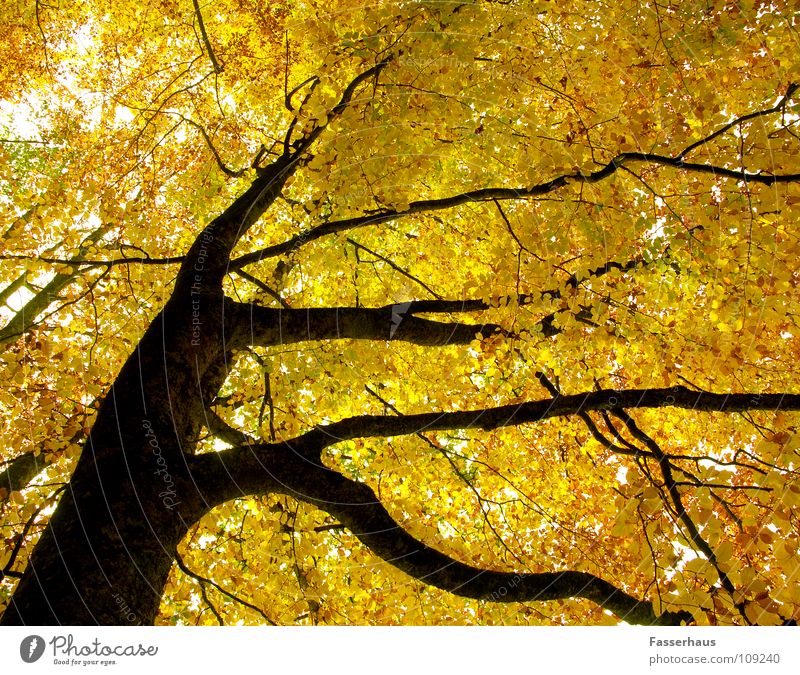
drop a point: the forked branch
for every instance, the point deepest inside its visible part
(357, 507)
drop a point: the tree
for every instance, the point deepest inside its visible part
(413, 312)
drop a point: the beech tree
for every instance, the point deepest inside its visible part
(412, 312)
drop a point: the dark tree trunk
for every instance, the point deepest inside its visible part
(107, 551)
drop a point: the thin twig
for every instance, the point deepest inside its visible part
(214, 63)
(204, 580)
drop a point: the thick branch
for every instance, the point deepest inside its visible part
(26, 317)
(374, 426)
(20, 471)
(13, 287)
(206, 262)
(295, 468)
(422, 206)
(266, 326)
(251, 324)
(357, 507)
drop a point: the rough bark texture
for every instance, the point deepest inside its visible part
(111, 540)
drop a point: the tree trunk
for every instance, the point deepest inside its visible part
(107, 551)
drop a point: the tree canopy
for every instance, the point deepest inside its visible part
(414, 312)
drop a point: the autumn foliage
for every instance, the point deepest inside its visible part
(440, 313)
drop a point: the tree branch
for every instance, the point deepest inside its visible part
(26, 317)
(214, 63)
(680, 510)
(504, 194)
(394, 266)
(254, 325)
(221, 429)
(422, 206)
(217, 157)
(88, 263)
(207, 261)
(263, 287)
(376, 426)
(203, 581)
(20, 471)
(295, 468)
(356, 506)
(346, 99)
(778, 107)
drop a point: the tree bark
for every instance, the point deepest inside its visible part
(108, 549)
